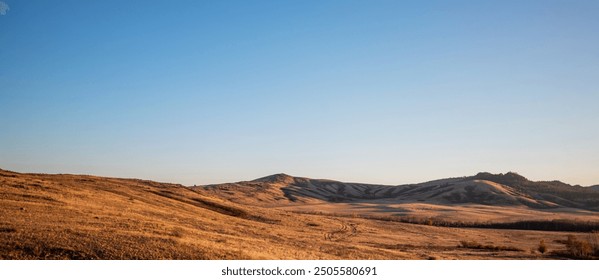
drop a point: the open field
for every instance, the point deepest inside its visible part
(88, 217)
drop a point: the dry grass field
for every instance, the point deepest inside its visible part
(87, 217)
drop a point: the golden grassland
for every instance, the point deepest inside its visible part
(88, 217)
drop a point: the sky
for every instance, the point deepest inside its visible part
(389, 92)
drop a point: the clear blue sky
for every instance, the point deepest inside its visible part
(393, 92)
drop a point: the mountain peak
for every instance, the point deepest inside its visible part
(510, 178)
(276, 178)
(515, 176)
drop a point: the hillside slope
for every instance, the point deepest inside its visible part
(89, 217)
(483, 189)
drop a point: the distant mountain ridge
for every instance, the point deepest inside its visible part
(509, 189)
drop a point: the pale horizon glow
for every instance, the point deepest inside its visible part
(386, 92)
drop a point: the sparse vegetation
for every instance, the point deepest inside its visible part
(542, 247)
(7, 230)
(587, 248)
(547, 225)
(177, 232)
(476, 245)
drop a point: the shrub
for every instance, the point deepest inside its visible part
(177, 232)
(594, 242)
(476, 245)
(542, 247)
(578, 248)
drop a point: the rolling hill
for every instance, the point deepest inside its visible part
(482, 197)
(508, 189)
